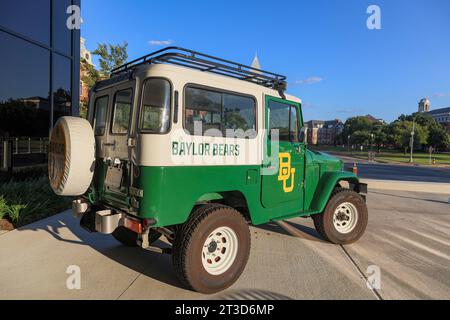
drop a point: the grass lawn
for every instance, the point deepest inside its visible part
(390, 156)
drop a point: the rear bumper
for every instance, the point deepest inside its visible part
(104, 221)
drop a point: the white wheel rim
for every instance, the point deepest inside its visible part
(345, 218)
(219, 251)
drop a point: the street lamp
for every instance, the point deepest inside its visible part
(411, 160)
(371, 142)
(348, 142)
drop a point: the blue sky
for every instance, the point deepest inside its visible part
(334, 63)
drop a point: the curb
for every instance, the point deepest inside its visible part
(426, 187)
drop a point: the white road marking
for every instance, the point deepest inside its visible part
(445, 243)
(421, 246)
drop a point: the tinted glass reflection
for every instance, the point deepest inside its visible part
(24, 88)
(61, 86)
(62, 39)
(30, 18)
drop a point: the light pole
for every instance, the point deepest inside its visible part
(371, 142)
(348, 142)
(411, 160)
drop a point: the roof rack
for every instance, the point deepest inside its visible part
(206, 63)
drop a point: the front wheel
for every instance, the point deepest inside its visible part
(211, 250)
(344, 219)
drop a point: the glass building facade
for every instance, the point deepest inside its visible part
(39, 67)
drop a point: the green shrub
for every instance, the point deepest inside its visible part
(11, 211)
(25, 202)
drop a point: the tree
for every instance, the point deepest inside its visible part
(359, 129)
(438, 137)
(89, 74)
(401, 134)
(111, 56)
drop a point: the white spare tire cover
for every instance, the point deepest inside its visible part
(71, 156)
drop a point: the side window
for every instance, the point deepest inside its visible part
(155, 112)
(121, 112)
(202, 108)
(100, 109)
(240, 112)
(219, 111)
(283, 117)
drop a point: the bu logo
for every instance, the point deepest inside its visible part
(286, 172)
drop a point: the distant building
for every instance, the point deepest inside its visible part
(441, 116)
(323, 132)
(424, 105)
(373, 119)
(86, 56)
(256, 64)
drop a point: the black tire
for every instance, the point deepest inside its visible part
(129, 238)
(188, 255)
(324, 222)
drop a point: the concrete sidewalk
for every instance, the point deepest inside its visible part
(411, 186)
(407, 238)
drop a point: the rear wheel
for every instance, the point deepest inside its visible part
(129, 238)
(211, 250)
(344, 219)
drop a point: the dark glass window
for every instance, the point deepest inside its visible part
(283, 117)
(121, 112)
(62, 96)
(30, 18)
(24, 88)
(62, 39)
(156, 106)
(203, 108)
(240, 112)
(294, 125)
(101, 110)
(219, 111)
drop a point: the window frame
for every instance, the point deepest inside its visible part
(141, 102)
(290, 104)
(113, 112)
(221, 91)
(94, 122)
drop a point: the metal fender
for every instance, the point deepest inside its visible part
(326, 185)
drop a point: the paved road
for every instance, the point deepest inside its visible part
(408, 238)
(399, 172)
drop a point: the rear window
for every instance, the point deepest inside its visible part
(121, 112)
(101, 109)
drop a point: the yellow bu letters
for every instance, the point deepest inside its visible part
(286, 172)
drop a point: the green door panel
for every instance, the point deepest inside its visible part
(283, 189)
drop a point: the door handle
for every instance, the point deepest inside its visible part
(109, 144)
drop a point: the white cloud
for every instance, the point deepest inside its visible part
(442, 95)
(160, 42)
(309, 80)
